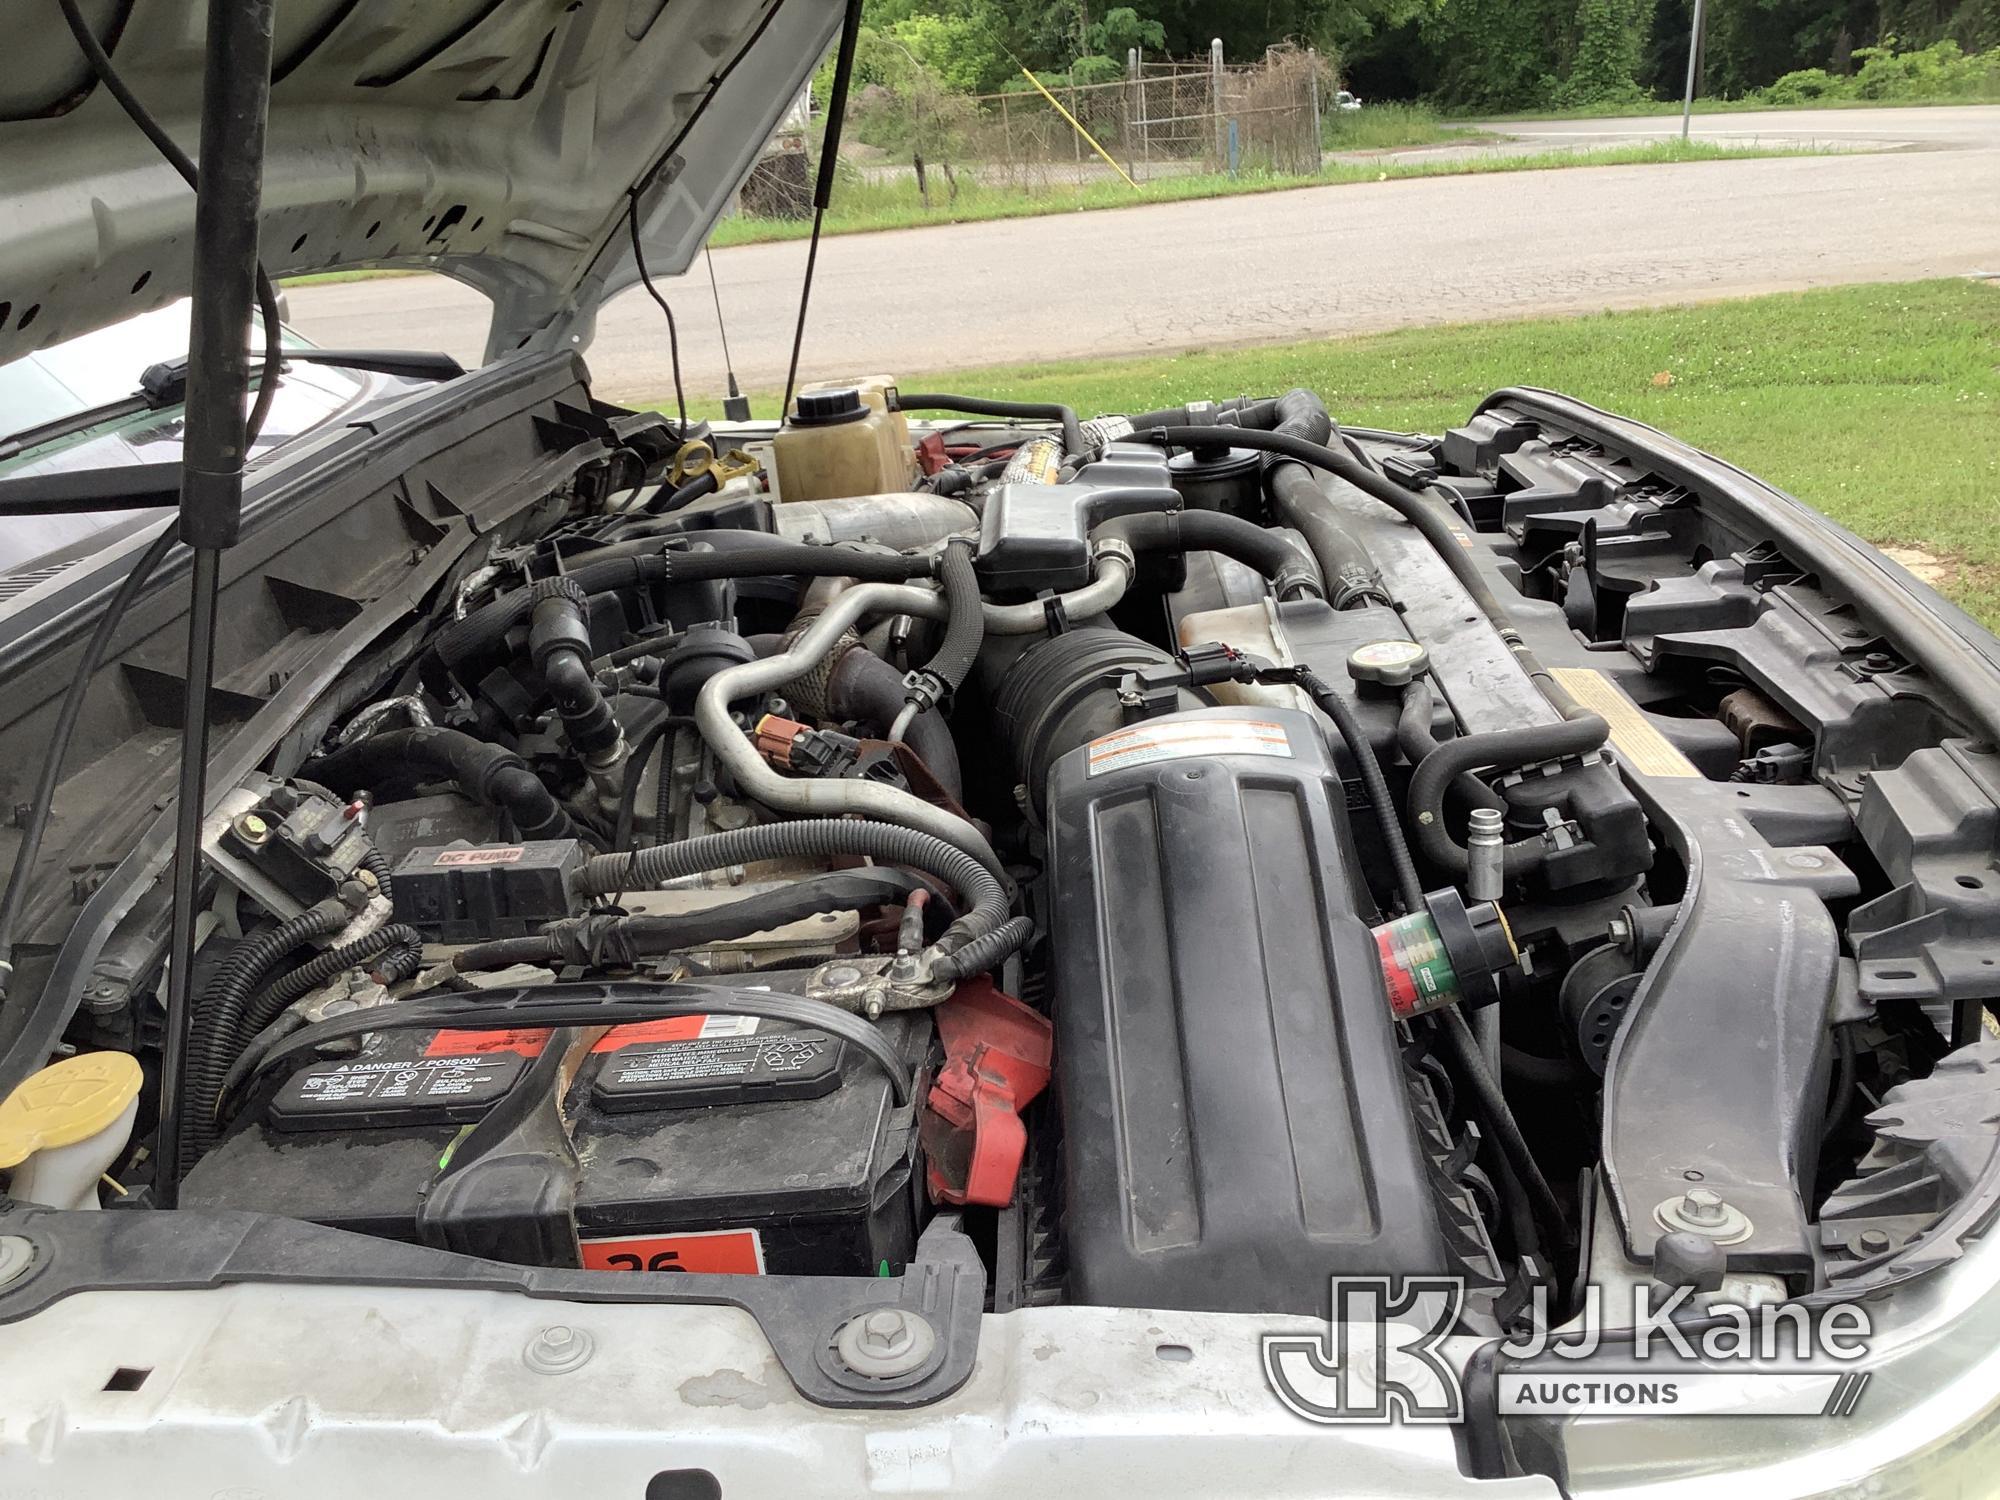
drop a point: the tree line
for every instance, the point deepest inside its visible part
(1459, 54)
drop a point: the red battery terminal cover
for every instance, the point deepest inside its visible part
(997, 1056)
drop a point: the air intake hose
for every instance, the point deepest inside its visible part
(559, 645)
(1063, 692)
(485, 772)
(481, 633)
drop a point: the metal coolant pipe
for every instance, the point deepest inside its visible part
(835, 798)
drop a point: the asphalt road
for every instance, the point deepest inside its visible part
(1306, 263)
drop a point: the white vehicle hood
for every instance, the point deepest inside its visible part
(498, 141)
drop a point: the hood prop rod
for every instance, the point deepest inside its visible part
(829, 164)
(235, 101)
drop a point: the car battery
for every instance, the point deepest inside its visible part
(705, 1143)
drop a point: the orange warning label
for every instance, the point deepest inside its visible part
(728, 1252)
(1144, 744)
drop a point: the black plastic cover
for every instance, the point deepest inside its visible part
(1234, 1120)
(469, 893)
(1037, 536)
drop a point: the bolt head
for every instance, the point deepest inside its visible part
(885, 1332)
(1872, 1241)
(1702, 1206)
(558, 1349)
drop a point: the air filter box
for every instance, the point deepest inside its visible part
(1235, 1128)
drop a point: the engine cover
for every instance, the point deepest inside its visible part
(1235, 1122)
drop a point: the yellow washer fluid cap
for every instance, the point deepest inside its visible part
(67, 1102)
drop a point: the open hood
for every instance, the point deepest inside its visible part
(498, 141)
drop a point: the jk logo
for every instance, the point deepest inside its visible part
(1378, 1359)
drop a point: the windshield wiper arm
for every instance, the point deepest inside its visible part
(165, 384)
(78, 491)
(133, 405)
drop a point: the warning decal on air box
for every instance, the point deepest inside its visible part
(727, 1252)
(1144, 744)
(1638, 743)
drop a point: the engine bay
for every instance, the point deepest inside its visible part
(1191, 855)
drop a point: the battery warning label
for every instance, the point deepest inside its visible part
(528, 1041)
(1144, 744)
(727, 1252)
(393, 1090)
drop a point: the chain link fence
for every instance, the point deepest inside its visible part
(1164, 119)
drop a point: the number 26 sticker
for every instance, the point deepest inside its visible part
(738, 1252)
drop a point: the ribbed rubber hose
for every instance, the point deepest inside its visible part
(483, 629)
(403, 945)
(976, 406)
(965, 618)
(1419, 512)
(1414, 738)
(986, 952)
(376, 863)
(1258, 547)
(218, 1014)
(1502, 748)
(485, 772)
(617, 941)
(983, 900)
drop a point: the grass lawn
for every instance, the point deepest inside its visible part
(1644, 108)
(1384, 127)
(1879, 405)
(861, 206)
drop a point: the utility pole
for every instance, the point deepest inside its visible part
(1694, 67)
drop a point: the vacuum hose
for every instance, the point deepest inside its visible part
(982, 897)
(1502, 747)
(482, 631)
(485, 772)
(932, 684)
(1291, 575)
(559, 645)
(973, 406)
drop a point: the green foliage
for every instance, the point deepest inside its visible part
(1608, 38)
(958, 49)
(1121, 28)
(1087, 70)
(1804, 86)
(1940, 71)
(1465, 55)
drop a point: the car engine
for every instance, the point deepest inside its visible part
(1196, 853)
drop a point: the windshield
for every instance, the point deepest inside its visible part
(95, 369)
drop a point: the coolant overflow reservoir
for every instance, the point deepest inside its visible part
(835, 444)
